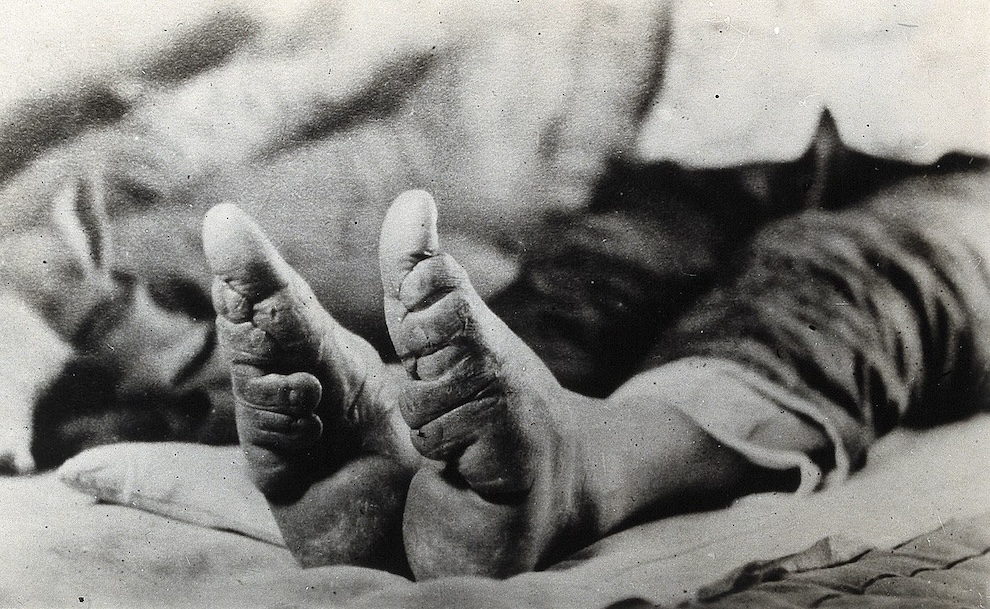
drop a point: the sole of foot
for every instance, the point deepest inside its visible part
(323, 439)
(503, 488)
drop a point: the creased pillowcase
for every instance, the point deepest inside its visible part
(202, 485)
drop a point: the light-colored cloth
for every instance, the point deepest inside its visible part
(60, 546)
(194, 483)
(747, 81)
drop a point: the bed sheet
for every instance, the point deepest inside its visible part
(61, 547)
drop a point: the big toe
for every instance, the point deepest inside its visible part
(239, 253)
(409, 235)
(427, 293)
(248, 269)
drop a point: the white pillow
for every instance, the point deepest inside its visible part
(194, 483)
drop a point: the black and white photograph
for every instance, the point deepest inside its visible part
(581, 304)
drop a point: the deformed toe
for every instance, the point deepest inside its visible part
(295, 395)
(239, 253)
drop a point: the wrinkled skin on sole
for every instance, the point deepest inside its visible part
(471, 460)
(482, 406)
(333, 437)
(323, 441)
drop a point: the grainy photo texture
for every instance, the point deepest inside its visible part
(589, 304)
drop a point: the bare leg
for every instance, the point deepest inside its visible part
(314, 415)
(525, 470)
(522, 470)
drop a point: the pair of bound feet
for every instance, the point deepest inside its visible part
(463, 462)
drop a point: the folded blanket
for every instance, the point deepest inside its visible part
(194, 483)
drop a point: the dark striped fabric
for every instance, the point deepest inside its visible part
(869, 309)
(878, 314)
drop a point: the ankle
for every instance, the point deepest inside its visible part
(569, 507)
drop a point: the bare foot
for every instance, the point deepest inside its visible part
(315, 416)
(505, 493)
